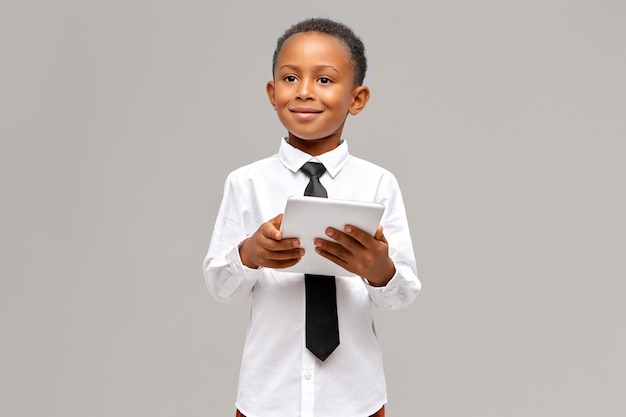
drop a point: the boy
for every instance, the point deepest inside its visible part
(318, 71)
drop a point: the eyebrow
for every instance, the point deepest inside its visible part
(317, 67)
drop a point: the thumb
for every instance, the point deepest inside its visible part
(379, 234)
(276, 222)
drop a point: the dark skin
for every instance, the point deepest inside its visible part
(313, 92)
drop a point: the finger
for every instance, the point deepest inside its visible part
(359, 235)
(286, 255)
(283, 258)
(273, 245)
(333, 250)
(343, 239)
(334, 256)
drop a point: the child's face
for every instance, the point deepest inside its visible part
(313, 91)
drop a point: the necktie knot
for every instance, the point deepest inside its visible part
(314, 170)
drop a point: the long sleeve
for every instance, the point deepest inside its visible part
(227, 278)
(404, 286)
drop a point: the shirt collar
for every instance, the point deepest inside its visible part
(293, 158)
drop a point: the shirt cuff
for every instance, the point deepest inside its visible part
(398, 292)
(385, 290)
(239, 272)
(237, 265)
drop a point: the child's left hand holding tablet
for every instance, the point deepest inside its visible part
(360, 253)
(266, 247)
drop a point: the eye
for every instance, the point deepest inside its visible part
(324, 80)
(290, 78)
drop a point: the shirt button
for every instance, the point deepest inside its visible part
(307, 375)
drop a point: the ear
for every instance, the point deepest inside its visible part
(360, 96)
(270, 88)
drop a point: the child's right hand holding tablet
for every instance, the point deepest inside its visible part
(266, 247)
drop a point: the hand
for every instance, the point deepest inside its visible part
(267, 248)
(359, 253)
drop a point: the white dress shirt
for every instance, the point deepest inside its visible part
(279, 377)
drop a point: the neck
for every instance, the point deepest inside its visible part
(314, 147)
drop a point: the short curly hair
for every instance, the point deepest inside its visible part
(335, 29)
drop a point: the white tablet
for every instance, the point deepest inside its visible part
(308, 217)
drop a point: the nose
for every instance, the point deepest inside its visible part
(305, 89)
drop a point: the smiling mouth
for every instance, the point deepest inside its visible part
(303, 114)
(305, 111)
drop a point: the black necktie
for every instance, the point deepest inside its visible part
(322, 327)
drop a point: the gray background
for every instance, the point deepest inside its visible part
(503, 121)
